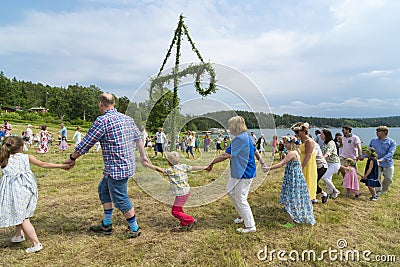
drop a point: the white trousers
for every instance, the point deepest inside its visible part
(238, 190)
(327, 177)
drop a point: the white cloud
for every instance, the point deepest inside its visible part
(312, 55)
(378, 73)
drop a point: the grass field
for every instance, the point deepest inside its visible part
(68, 205)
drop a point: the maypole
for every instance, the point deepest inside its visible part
(195, 70)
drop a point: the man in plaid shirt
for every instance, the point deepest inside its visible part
(117, 134)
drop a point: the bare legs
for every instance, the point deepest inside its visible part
(27, 228)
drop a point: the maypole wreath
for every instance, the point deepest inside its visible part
(196, 70)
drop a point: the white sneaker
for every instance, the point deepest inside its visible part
(34, 248)
(18, 239)
(246, 230)
(238, 220)
(335, 194)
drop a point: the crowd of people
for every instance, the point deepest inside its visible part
(188, 144)
(43, 139)
(306, 161)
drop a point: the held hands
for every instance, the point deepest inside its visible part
(209, 167)
(66, 167)
(265, 168)
(146, 162)
(68, 164)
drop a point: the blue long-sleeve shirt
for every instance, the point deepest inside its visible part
(385, 150)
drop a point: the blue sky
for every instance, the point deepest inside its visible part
(332, 58)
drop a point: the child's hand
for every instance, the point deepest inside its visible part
(66, 166)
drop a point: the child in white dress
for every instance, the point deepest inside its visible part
(18, 190)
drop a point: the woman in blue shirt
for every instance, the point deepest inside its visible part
(241, 153)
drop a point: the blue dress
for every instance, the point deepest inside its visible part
(294, 195)
(373, 178)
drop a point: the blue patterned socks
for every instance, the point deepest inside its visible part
(107, 220)
(133, 224)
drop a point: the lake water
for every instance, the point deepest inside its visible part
(365, 134)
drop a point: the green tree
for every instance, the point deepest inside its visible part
(159, 112)
(59, 102)
(122, 104)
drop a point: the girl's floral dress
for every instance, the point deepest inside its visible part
(294, 195)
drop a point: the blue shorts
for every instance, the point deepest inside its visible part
(115, 191)
(159, 148)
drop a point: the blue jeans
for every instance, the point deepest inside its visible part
(189, 149)
(115, 191)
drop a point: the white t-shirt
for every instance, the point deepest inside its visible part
(191, 140)
(29, 132)
(161, 137)
(254, 138)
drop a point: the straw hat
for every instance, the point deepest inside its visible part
(173, 157)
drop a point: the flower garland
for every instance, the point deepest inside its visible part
(294, 140)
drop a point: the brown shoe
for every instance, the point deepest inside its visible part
(189, 227)
(132, 234)
(100, 228)
(180, 228)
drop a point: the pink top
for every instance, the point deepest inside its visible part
(274, 142)
(350, 146)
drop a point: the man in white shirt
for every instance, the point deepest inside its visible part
(161, 140)
(254, 138)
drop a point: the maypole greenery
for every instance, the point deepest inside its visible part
(195, 70)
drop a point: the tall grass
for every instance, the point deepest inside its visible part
(68, 205)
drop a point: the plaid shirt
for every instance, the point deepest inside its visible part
(117, 134)
(178, 178)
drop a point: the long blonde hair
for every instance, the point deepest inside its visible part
(11, 145)
(293, 141)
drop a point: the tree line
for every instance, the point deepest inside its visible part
(65, 104)
(78, 104)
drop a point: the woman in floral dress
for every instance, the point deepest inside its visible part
(294, 195)
(44, 141)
